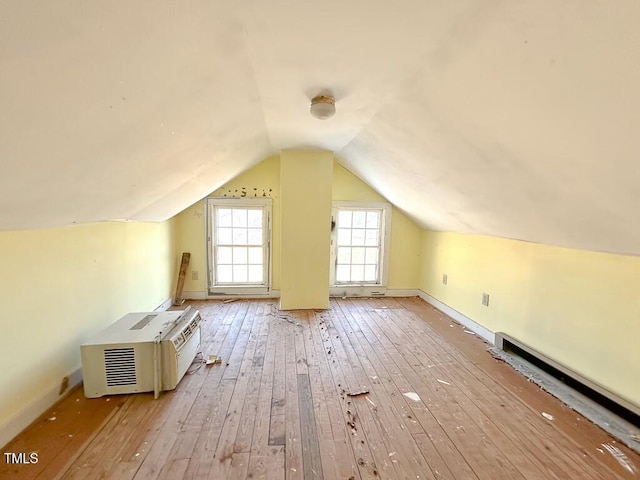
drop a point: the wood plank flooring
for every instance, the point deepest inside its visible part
(438, 406)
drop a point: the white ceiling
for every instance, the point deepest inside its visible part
(514, 119)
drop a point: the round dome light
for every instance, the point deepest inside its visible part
(323, 107)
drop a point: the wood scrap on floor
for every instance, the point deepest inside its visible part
(358, 393)
(177, 300)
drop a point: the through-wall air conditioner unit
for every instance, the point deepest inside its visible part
(141, 352)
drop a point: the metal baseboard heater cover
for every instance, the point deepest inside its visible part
(509, 344)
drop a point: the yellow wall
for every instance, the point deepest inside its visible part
(404, 264)
(305, 231)
(578, 307)
(404, 254)
(264, 178)
(61, 285)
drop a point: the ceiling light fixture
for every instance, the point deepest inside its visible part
(323, 106)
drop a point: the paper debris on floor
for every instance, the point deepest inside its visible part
(469, 332)
(412, 396)
(548, 416)
(442, 381)
(213, 359)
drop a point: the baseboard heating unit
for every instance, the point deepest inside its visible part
(608, 399)
(141, 352)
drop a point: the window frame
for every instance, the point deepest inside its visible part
(339, 288)
(264, 288)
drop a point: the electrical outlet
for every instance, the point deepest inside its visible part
(194, 275)
(485, 299)
(445, 278)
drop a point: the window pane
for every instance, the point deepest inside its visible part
(239, 236)
(357, 255)
(255, 273)
(240, 273)
(344, 236)
(344, 218)
(239, 255)
(371, 256)
(371, 237)
(254, 236)
(224, 255)
(224, 236)
(343, 273)
(357, 273)
(357, 236)
(370, 273)
(224, 217)
(238, 243)
(254, 218)
(359, 245)
(255, 255)
(359, 219)
(239, 217)
(224, 274)
(344, 255)
(373, 219)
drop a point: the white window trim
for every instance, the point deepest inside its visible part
(239, 290)
(363, 289)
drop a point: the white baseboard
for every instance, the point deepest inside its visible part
(164, 306)
(475, 327)
(245, 296)
(399, 292)
(370, 291)
(334, 292)
(357, 291)
(206, 296)
(21, 420)
(203, 295)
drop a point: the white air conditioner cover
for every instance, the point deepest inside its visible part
(141, 352)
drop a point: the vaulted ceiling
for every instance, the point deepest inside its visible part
(514, 119)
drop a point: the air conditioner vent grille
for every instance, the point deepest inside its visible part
(187, 332)
(120, 366)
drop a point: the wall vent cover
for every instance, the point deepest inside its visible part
(120, 366)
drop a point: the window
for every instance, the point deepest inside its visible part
(359, 240)
(238, 239)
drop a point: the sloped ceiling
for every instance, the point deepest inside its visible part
(513, 119)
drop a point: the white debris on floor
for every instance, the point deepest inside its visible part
(412, 396)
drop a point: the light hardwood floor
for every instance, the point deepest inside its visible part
(278, 407)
